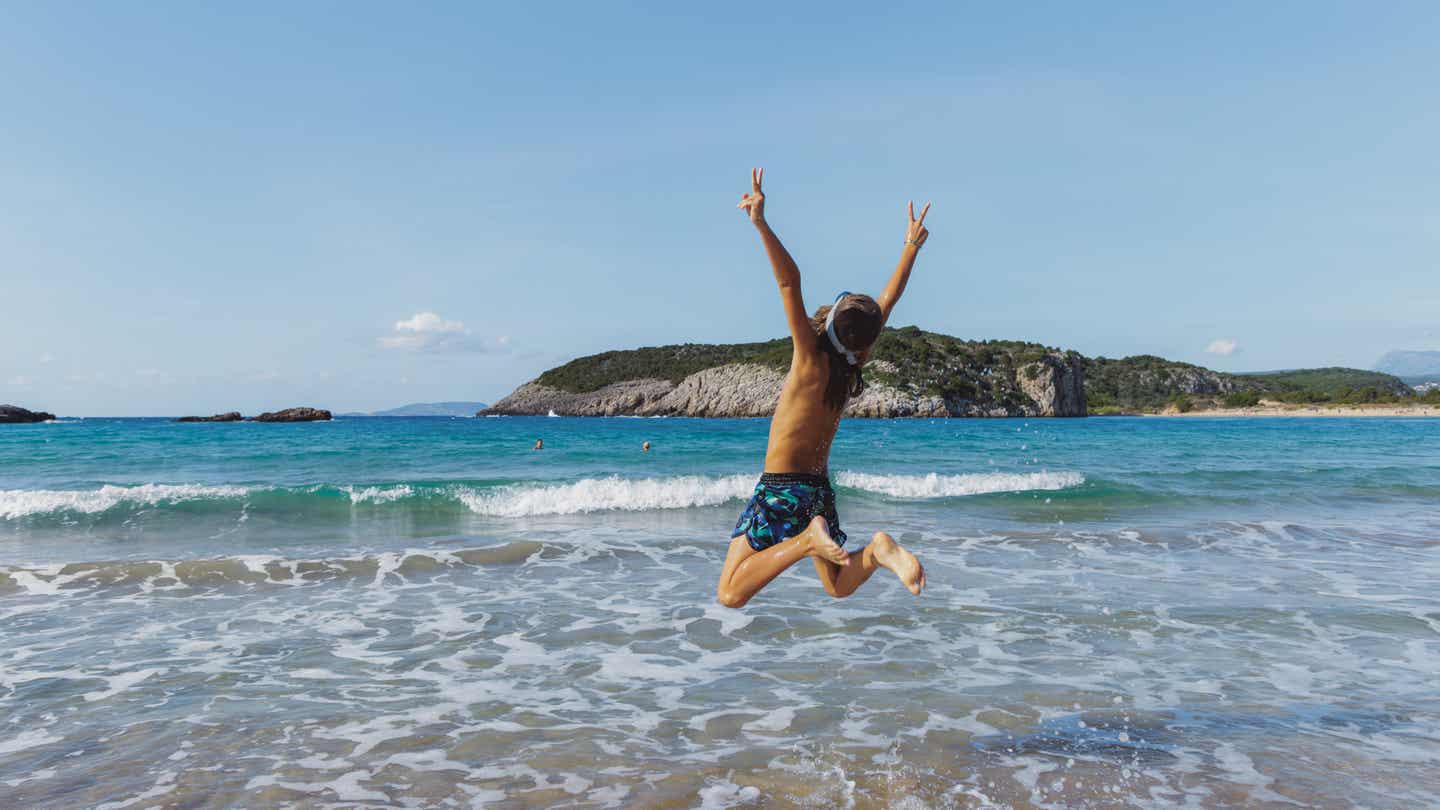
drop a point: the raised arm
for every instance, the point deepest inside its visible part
(787, 275)
(915, 236)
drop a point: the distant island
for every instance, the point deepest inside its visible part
(916, 373)
(429, 409)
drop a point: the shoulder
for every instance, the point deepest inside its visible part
(807, 347)
(810, 362)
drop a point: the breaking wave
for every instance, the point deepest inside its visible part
(501, 500)
(18, 503)
(953, 486)
(605, 494)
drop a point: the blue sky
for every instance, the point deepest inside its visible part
(354, 205)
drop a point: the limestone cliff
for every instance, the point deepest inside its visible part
(1052, 386)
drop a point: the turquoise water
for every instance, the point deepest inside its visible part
(426, 611)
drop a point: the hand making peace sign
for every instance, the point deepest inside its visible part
(754, 202)
(915, 233)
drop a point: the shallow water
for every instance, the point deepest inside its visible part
(425, 612)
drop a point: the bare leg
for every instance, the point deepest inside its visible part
(746, 570)
(882, 552)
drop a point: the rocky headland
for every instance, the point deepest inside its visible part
(915, 373)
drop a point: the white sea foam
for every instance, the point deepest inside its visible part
(611, 493)
(724, 794)
(115, 684)
(378, 494)
(18, 503)
(681, 492)
(525, 500)
(26, 739)
(934, 485)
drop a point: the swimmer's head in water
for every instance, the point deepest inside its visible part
(845, 331)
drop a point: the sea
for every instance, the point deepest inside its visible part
(427, 612)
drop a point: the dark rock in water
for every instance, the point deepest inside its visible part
(14, 413)
(295, 415)
(232, 416)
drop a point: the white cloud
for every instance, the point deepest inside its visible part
(1223, 347)
(47, 357)
(19, 381)
(428, 332)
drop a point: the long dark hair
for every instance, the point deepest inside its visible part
(857, 324)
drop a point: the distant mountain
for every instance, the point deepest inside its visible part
(430, 409)
(1410, 364)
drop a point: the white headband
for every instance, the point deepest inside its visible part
(835, 339)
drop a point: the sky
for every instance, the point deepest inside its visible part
(213, 207)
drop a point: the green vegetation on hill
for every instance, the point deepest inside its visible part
(990, 372)
(928, 363)
(1348, 386)
(909, 358)
(673, 363)
(1149, 383)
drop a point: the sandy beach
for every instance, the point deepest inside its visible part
(1283, 409)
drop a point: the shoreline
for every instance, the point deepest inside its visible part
(1312, 411)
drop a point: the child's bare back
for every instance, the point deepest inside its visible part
(792, 513)
(803, 426)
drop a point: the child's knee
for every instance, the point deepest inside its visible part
(730, 598)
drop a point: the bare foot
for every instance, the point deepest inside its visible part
(820, 545)
(894, 556)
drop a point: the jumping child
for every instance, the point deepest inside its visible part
(792, 514)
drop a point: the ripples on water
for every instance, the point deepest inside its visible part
(1142, 616)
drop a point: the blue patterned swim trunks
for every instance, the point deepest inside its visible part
(783, 506)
